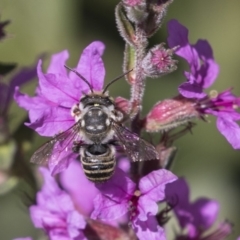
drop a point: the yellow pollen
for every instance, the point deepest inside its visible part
(137, 193)
(213, 94)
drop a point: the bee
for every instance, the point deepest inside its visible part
(98, 129)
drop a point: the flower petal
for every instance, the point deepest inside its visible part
(57, 88)
(209, 69)
(112, 203)
(46, 118)
(229, 129)
(153, 185)
(83, 196)
(205, 212)
(192, 88)
(119, 187)
(57, 63)
(91, 67)
(75, 222)
(42, 218)
(107, 209)
(149, 229)
(178, 36)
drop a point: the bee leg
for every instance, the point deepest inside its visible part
(114, 142)
(76, 146)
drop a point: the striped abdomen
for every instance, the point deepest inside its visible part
(98, 161)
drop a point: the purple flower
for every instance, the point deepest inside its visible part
(58, 91)
(203, 72)
(197, 217)
(55, 212)
(120, 196)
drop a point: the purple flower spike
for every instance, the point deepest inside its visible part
(120, 196)
(49, 110)
(196, 217)
(55, 212)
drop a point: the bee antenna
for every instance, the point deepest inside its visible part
(114, 80)
(83, 78)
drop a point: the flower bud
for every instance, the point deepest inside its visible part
(125, 27)
(136, 10)
(122, 104)
(158, 61)
(157, 10)
(170, 113)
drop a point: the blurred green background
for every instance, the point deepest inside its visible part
(209, 163)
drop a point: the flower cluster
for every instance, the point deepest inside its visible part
(64, 107)
(193, 102)
(55, 212)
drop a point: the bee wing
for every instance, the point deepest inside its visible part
(58, 147)
(135, 147)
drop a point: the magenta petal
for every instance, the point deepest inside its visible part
(178, 189)
(83, 196)
(58, 234)
(41, 218)
(178, 36)
(57, 63)
(210, 69)
(146, 206)
(51, 122)
(152, 188)
(153, 185)
(57, 88)
(229, 129)
(91, 67)
(75, 222)
(205, 212)
(118, 187)
(46, 118)
(108, 209)
(50, 187)
(149, 229)
(193, 90)
(112, 203)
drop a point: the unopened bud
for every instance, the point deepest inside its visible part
(136, 10)
(170, 113)
(124, 25)
(159, 61)
(157, 10)
(122, 104)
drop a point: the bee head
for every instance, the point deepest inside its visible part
(96, 99)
